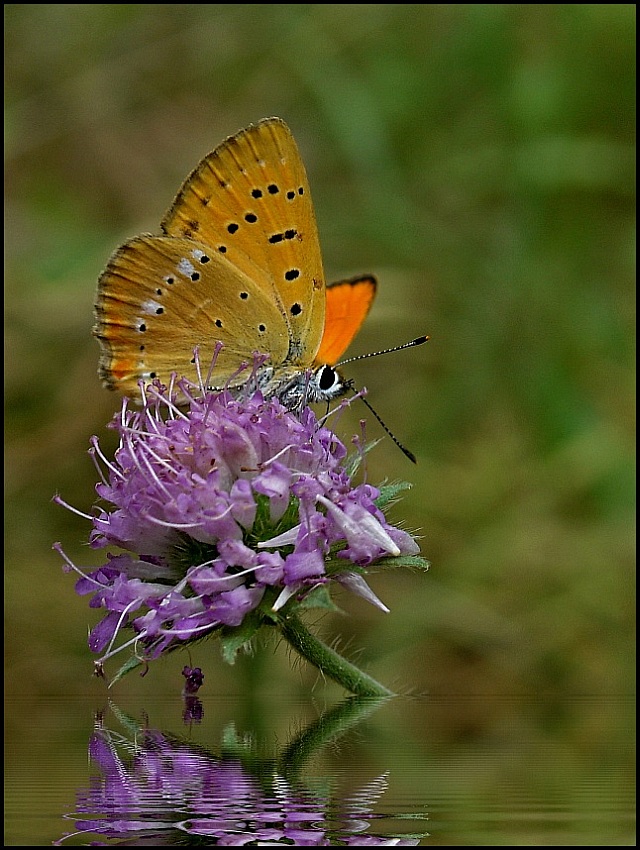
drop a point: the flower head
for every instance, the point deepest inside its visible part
(233, 507)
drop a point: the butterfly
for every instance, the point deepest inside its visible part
(238, 262)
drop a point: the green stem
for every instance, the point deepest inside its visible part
(329, 662)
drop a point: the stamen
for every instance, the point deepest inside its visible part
(156, 521)
(92, 454)
(196, 358)
(124, 411)
(114, 469)
(214, 359)
(58, 500)
(194, 629)
(133, 604)
(143, 394)
(342, 405)
(154, 476)
(275, 457)
(58, 548)
(133, 640)
(171, 390)
(169, 402)
(241, 368)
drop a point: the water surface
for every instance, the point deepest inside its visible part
(439, 770)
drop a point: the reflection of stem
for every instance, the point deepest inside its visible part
(327, 728)
(329, 662)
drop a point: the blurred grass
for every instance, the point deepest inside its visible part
(480, 160)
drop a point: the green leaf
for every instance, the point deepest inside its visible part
(130, 664)
(319, 597)
(233, 639)
(389, 492)
(352, 463)
(413, 561)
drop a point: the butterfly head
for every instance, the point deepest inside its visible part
(296, 389)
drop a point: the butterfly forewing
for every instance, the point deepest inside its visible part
(161, 296)
(249, 201)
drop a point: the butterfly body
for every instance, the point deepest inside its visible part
(238, 263)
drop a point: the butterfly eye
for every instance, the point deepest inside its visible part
(328, 378)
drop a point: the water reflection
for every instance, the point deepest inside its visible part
(155, 788)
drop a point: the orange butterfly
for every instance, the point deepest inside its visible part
(239, 263)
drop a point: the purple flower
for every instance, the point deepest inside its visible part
(194, 678)
(233, 507)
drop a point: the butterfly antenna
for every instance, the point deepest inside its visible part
(418, 341)
(405, 451)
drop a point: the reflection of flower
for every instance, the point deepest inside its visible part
(154, 790)
(230, 516)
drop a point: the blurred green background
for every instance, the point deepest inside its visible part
(479, 159)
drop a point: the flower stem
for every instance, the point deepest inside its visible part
(328, 661)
